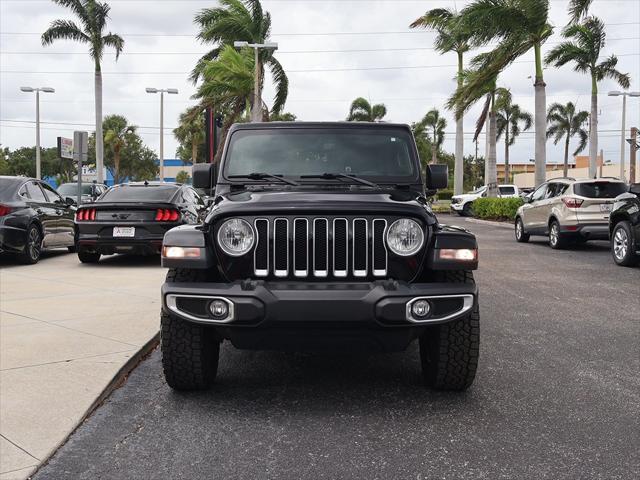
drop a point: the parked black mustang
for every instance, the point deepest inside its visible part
(624, 226)
(33, 217)
(133, 218)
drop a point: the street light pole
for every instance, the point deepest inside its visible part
(171, 91)
(256, 111)
(624, 95)
(38, 155)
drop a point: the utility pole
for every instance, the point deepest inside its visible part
(256, 110)
(171, 91)
(624, 96)
(38, 157)
(632, 157)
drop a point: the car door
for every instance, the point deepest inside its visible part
(45, 213)
(531, 213)
(65, 227)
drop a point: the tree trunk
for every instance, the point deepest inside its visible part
(458, 172)
(99, 138)
(116, 165)
(593, 131)
(507, 178)
(256, 108)
(434, 155)
(540, 121)
(194, 151)
(492, 176)
(565, 169)
(487, 142)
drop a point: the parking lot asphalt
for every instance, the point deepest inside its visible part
(557, 394)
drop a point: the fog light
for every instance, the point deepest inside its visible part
(464, 254)
(219, 309)
(420, 308)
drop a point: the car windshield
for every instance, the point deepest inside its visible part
(385, 154)
(600, 189)
(139, 193)
(478, 191)
(67, 189)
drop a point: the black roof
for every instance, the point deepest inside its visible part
(344, 124)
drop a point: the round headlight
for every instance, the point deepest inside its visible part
(405, 237)
(235, 237)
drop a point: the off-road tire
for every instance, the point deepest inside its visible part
(449, 352)
(190, 351)
(557, 241)
(33, 246)
(467, 210)
(521, 235)
(622, 249)
(88, 257)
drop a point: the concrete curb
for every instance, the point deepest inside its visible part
(115, 383)
(490, 222)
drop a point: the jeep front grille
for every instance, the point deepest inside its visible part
(320, 247)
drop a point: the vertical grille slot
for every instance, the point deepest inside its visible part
(360, 247)
(281, 247)
(300, 247)
(379, 248)
(340, 247)
(261, 253)
(320, 247)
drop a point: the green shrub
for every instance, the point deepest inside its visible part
(496, 208)
(445, 194)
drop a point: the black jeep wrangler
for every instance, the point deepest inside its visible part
(320, 237)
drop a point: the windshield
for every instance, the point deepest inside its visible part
(386, 154)
(600, 189)
(479, 191)
(72, 189)
(139, 193)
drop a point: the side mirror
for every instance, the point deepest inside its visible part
(204, 175)
(437, 176)
(526, 199)
(70, 201)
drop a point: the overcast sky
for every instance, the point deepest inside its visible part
(161, 49)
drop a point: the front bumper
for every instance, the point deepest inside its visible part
(277, 314)
(456, 207)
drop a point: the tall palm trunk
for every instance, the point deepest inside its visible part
(487, 145)
(99, 137)
(458, 173)
(507, 173)
(593, 130)
(540, 120)
(565, 169)
(492, 174)
(434, 154)
(256, 109)
(116, 165)
(194, 151)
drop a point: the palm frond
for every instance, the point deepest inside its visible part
(114, 41)
(64, 30)
(378, 111)
(196, 73)
(281, 82)
(578, 9)
(584, 139)
(77, 7)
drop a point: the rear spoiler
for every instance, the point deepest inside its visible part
(128, 205)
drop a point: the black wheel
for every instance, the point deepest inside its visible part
(622, 246)
(556, 239)
(467, 210)
(449, 352)
(33, 246)
(521, 235)
(88, 257)
(190, 351)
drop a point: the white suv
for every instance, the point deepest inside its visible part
(463, 204)
(566, 209)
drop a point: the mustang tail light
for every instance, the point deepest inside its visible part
(5, 210)
(86, 214)
(572, 202)
(167, 215)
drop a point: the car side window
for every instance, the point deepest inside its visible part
(539, 193)
(507, 190)
(23, 192)
(35, 192)
(52, 195)
(551, 191)
(561, 188)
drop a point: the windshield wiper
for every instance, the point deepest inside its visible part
(264, 176)
(336, 176)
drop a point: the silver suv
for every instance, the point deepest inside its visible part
(567, 210)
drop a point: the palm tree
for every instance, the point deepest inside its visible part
(241, 20)
(435, 125)
(93, 16)
(519, 26)
(578, 9)
(191, 130)
(451, 38)
(362, 111)
(588, 39)
(509, 116)
(464, 98)
(565, 122)
(282, 117)
(117, 134)
(227, 84)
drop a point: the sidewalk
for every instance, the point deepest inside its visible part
(65, 330)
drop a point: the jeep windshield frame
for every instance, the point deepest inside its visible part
(382, 154)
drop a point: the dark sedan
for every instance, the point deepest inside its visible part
(133, 218)
(624, 228)
(33, 217)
